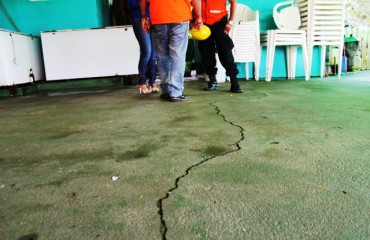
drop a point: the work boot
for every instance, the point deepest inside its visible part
(212, 84)
(235, 88)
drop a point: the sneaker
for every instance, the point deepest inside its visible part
(179, 98)
(211, 87)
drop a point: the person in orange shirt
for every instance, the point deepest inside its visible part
(169, 26)
(215, 16)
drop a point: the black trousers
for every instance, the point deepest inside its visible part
(221, 43)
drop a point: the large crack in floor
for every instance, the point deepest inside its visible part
(164, 227)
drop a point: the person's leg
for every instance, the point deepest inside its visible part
(224, 49)
(160, 38)
(152, 69)
(198, 61)
(208, 52)
(146, 50)
(178, 44)
(170, 43)
(152, 64)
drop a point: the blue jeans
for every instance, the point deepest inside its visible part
(147, 62)
(170, 42)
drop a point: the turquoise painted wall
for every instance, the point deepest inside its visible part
(32, 17)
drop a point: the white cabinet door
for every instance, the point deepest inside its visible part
(18, 54)
(90, 53)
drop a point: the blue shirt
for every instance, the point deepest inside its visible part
(133, 7)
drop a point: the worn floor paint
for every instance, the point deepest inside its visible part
(284, 160)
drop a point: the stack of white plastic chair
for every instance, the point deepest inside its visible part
(288, 20)
(246, 37)
(325, 27)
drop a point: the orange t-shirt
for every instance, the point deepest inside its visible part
(170, 11)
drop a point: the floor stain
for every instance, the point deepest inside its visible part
(32, 236)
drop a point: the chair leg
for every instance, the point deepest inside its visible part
(246, 66)
(307, 72)
(268, 63)
(288, 61)
(271, 60)
(270, 55)
(309, 58)
(322, 62)
(257, 65)
(291, 52)
(340, 57)
(256, 70)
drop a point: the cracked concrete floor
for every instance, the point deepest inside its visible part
(284, 160)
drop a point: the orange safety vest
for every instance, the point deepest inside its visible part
(213, 11)
(170, 11)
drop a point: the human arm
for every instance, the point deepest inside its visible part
(197, 16)
(229, 23)
(145, 22)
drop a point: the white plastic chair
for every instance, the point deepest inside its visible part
(325, 27)
(246, 37)
(288, 20)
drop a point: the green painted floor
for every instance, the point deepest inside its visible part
(289, 159)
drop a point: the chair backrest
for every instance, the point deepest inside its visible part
(245, 34)
(243, 13)
(304, 12)
(246, 41)
(324, 20)
(327, 22)
(287, 16)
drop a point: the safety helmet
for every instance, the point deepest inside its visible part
(202, 34)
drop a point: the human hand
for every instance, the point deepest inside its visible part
(145, 23)
(197, 23)
(228, 27)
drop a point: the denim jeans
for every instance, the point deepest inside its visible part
(147, 62)
(170, 43)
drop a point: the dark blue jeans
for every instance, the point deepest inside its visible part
(147, 62)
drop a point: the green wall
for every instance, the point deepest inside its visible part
(32, 17)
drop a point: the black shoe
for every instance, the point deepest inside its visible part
(236, 90)
(165, 96)
(211, 87)
(179, 98)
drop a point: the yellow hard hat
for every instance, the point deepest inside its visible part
(202, 34)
